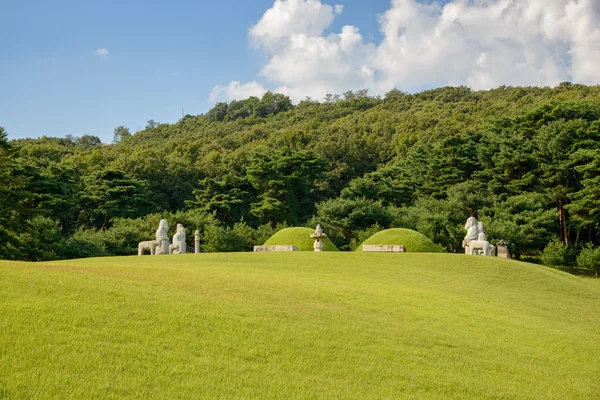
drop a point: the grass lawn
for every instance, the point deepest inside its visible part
(297, 325)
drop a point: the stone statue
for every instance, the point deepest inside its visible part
(179, 246)
(162, 238)
(148, 245)
(156, 246)
(319, 235)
(475, 242)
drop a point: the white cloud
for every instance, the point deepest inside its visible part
(236, 91)
(101, 52)
(482, 44)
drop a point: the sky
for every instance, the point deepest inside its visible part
(72, 67)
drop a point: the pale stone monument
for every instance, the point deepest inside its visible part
(319, 235)
(162, 238)
(158, 246)
(475, 242)
(383, 248)
(502, 249)
(258, 249)
(179, 246)
(148, 245)
(197, 242)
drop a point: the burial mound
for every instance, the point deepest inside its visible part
(299, 237)
(412, 240)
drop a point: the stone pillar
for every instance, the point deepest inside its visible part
(318, 245)
(197, 242)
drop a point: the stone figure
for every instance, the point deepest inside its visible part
(475, 242)
(148, 245)
(156, 246)
(197, 242)
(162, 238)
(319, 235)
(179, 246)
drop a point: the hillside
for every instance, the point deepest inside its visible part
(523, 160)
(297, 325)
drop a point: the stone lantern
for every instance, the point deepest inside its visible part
(318, 236)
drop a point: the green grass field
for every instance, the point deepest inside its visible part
(413, 241)
(297, 325)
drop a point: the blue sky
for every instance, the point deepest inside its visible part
(162, 56)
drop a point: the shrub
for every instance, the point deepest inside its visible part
(556, 254)
(589, 258)
(42, 240)
(224, 239)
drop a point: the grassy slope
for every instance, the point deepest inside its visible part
(299, 237)
(297, 325)
(412, 240)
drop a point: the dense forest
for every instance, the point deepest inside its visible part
(524, 160)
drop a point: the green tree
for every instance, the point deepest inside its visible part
(273, 104)
(344, 218)
(111, 193)
(42, 240)
(283, 182)
(391, 185)
(228, 196)
(524, 221)
(440, 220)
(217, 113)
(87, 142)
(585, 203)
(120, 133)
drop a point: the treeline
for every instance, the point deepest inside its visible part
(526, 161)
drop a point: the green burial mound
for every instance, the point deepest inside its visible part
(413, 241)
(299, 237)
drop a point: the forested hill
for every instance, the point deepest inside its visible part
(526, 161)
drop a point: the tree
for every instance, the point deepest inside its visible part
(4, 146)
(42, 240)
(391, 185)
(120, 133)
(345, 217)
(283, 182)
(273, 104)
(217, 113)
(585, 203)
(440, 220)
(228, 196)
(87, 142)
(111, 193)
(524, 221)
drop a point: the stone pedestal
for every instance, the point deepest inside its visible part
(502, 250)
(382, 248)
(258, 249)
